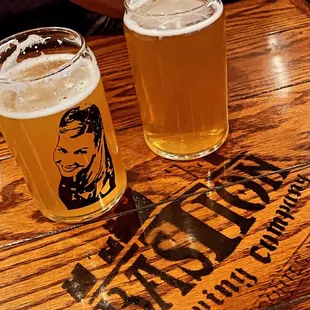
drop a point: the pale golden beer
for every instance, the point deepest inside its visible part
(178, 56)
(55, 117)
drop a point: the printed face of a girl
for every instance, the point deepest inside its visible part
(74, 154)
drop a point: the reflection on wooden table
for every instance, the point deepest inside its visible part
(229, 231)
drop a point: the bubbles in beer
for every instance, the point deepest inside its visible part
(171, 17)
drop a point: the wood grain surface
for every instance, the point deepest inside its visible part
(303, 5)
(229, 231)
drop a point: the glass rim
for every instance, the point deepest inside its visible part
(42, 30)
(133, 11)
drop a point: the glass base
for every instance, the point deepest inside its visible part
(186, 157)
(87, 217)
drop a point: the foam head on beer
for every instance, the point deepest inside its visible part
(166, 17)
(45, 84)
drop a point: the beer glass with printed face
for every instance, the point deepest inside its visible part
(55, 118)
(178, 56)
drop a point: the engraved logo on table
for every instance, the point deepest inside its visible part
(83, 158)
(249, 197)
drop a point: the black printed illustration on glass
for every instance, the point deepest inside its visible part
(83, 158)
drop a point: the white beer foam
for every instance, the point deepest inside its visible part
(20, 48)
(148, 18)
(57, 91)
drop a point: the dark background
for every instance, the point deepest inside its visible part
(20, 15)
(44, 13)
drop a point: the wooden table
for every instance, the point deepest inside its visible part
(229, 231)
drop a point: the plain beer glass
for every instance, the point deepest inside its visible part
(178, 56)
(55, 118)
